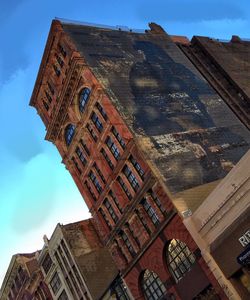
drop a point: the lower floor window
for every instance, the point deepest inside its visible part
(153, 287)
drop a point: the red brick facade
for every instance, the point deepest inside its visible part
(130, 206)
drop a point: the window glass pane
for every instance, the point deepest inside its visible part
(180, 259)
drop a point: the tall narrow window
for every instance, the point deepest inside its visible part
(131, 178)
(157, 201)
(151, 212)
(102, 111)
(105, 218)
(81, 156)
(97, 122)
(118, 137)
(63, 296)
(99, 172)
(112, 147)
(47, 263)
(83, 99)
(95, 181)
(124, 187)
(92, 132)
(85, 147)
(180, 259)
(55, 283)
(112, 195)
(137, 166)
(110, 210)
(90, 190)
(69, 133)
(153, 287)
(127, 243)
(108, 160)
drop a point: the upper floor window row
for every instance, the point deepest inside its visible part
(69, 133)
(118, 137)
(137, 166)
(131, 178)
(112, 147)
(97, 122)
(47, 263)
(83, 99)
(101, 110)
(62, 50)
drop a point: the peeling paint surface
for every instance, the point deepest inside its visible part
(193, 137)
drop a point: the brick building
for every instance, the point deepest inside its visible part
(145, 138)
(74, 263)
(24, 280)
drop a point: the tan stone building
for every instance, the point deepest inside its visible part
(74, 263)
(221, 228)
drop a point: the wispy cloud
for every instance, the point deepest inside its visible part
(191, 10)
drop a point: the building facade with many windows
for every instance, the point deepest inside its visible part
(24, 280)
(74, 263)
(136, 125)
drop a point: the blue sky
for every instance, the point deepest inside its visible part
(36, 191)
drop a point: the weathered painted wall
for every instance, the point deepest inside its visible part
(183, 126)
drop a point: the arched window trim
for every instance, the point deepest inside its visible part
(69, 133)
(84, 98)
(180, 259)
(152, 286)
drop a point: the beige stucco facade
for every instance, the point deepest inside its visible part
(219, 223)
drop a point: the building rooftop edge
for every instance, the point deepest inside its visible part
(96, 25)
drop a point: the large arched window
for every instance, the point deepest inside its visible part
(83, 99)
(152, 286)
(69, 133)
(180, 259)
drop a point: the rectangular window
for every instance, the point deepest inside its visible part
(59, 60)
(124, 187)
(76, 165)
(55, 283)
(47, 263)
(112, 147)
(157, 201)
(112, 195)
(102, 111)
(105, 218)
(110, 210)
(81, 156)
(99, 173)
(127, 243)
(62, 50)
(65, 249)
(97, 122)
(95, 181)
(45, 104)
(105, 155)
(51, 88)
(60, 263)
(85, 147)
(48, 97)
(90, 190)
(137, 166)
(63, 296)
(57, 70)
(131, 178)
(92, 132)
(151, 212)
(118, 137)
(66, 264)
